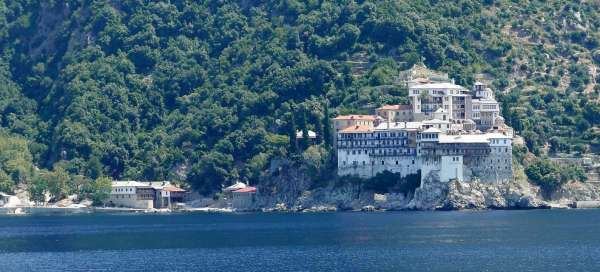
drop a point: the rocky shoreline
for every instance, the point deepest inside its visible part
(291, 191)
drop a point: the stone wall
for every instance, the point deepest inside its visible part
(404, 165)
(495, 167)
(131, 202)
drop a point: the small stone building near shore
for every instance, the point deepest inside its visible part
(243, 199)
(145, 195)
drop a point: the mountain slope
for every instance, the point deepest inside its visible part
(205, 91)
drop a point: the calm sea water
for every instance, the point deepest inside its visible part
(542, 240)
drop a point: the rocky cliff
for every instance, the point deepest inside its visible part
(290, 189)
(577, 191)
(457, 195)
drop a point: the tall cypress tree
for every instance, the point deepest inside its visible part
(291, 124)
(304, 142)
(319, 130)
(326, 123)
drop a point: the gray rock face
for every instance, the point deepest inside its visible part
(391, 201)
(289, 189)
(430, 195)
(577, 191)
(456, 195)
(511, 195)
(302, 198)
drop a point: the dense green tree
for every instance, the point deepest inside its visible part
(303, 126)
(212, 171)
(6, 184)
(159, 90)
(327, 134)
(291, 131)
(57, 182)
(38, 188)
(100, 190)
(94, 167)
(551, 176)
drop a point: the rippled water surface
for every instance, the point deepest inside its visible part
(539, 240)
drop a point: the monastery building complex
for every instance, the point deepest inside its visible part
(447, 132)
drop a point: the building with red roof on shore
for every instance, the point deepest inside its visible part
(244, 198)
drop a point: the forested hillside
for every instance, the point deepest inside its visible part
(206, 92)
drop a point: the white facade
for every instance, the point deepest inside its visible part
(428, 98)
(131, 194)
(444, 139)
(486, 157)
(485, 108)
(484, 112)
(457, 103)
(451, 168)
(365, 152)
(144, 195)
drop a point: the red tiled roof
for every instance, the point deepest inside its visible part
(172, 189)
(355, 129)
(356, 117)
(248, 189)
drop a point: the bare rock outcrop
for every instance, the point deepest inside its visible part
(577, 191)
(430, 195)
(475, 195)
(289, 188)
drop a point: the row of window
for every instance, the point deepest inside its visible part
(462, 151)
(381, 152)
(455, 159)
(498, 141)
(372, 162)
(376, 135)
(393, 113)
(491, 161)
(429, 136)
(423, 151)
(454, 151)
(139, 197)
(436, 92)
(360, 123)
(374, 143)
(145, 196)
(122, 196)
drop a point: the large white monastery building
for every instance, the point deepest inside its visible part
(448, 132)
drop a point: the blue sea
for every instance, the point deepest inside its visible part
(535, 240)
